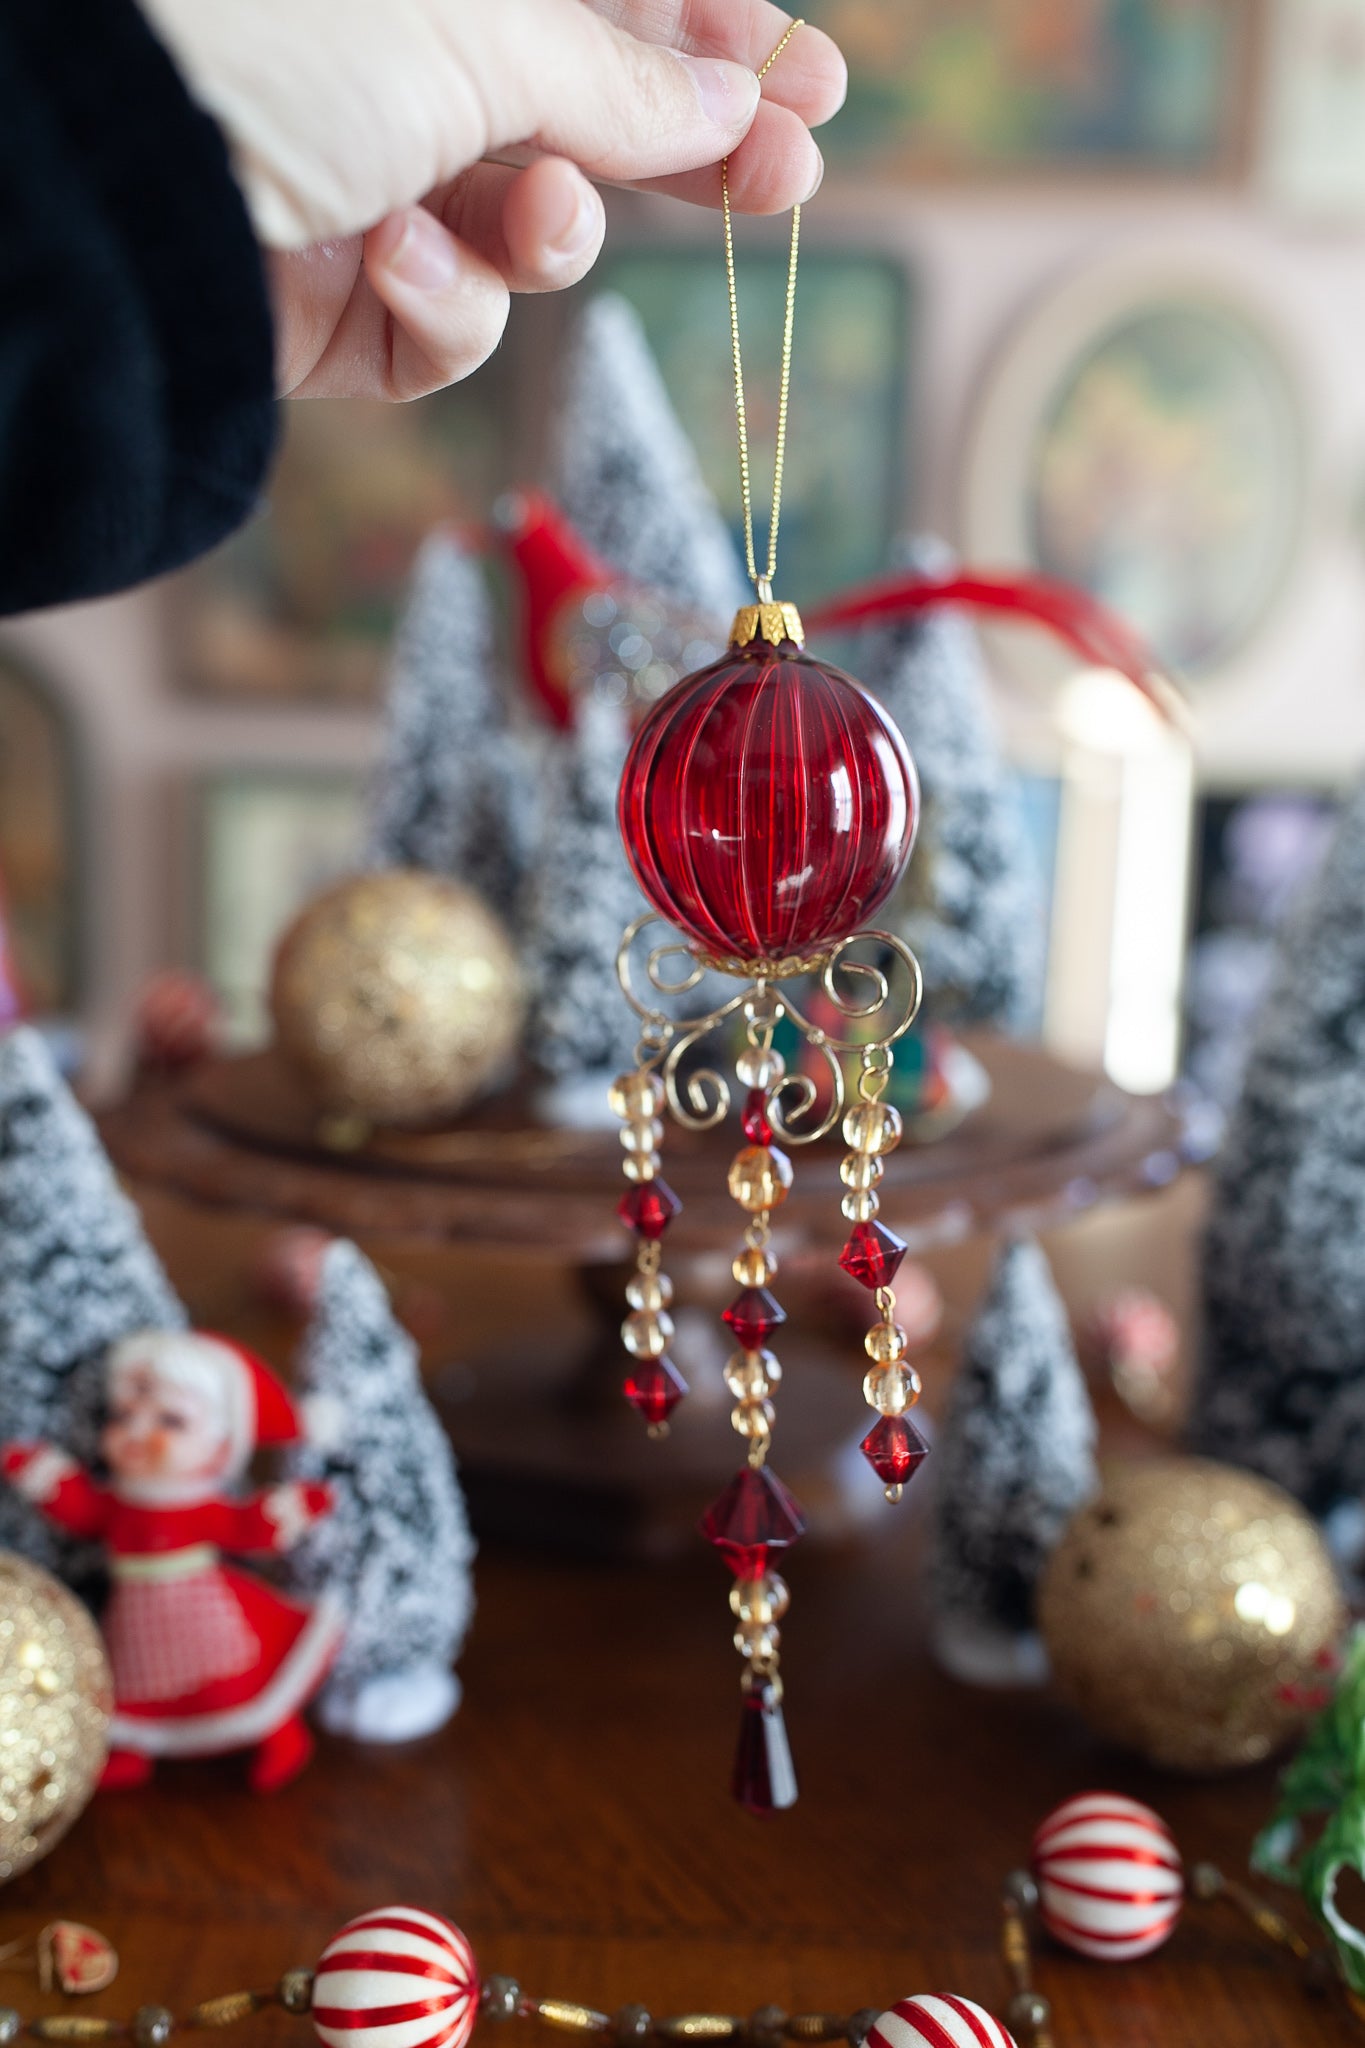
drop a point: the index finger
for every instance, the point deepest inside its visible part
(810, 77)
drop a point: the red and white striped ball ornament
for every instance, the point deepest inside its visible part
(1110, 1880)
(396, 1978)
(938, 2020)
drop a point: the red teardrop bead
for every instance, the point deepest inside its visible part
(753, 1316)
(754, 1515)
(648, 1208)
(768, 805)
(894, 1449)
(654, 1387)
(755, 1123)
(872, 1255)
(764, 1778)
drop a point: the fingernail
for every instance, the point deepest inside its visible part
(819, 176)
(728, 93)
(423, 256)
(581, 227)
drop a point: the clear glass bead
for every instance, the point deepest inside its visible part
(762, 1600)
(758, 1069)
(642, 1134)
(636, 1095)
(858, 1169)
(891, 1389)
(759, 1178)
(886, 1343)
(873, 1127)
(757, 1639)
(752, 1375)
(646, 1335)
(753, 1418)
(860, 1205)
(638, 1166)
(754, 1266)
(651, 1291)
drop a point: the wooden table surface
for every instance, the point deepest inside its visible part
(575, 1817)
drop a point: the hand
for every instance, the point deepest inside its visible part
(361, 135)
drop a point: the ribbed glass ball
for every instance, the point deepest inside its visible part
(768, 805)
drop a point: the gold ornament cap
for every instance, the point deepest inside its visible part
(771, 623)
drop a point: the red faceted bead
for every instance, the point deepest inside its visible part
(755, 1123)
(768, 805)
(764, 1778)
(873, 1255)
(753, 1316)
(894, 1449)
(654, 1387)
(648, 1207)
(754, 1515)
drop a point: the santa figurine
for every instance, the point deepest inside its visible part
(206, 1657)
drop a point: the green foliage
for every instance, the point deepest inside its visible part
(1326, 1782)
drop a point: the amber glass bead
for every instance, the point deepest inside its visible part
(644, 1136)
(650, 1291)
(759, 1069)
(753, 1418)
(640, 1166)
(752, 1375)
(886, 1342)
(648, 1210)
(873, 1127)
(891, 1389)
(759, 1178)
(860, 1170)
(636, 1095)
(861, 1205)
(764, 1600)
(754, 1267)
(646, 1334)
(757, 1639)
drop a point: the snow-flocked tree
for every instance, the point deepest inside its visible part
(396, 1550)
(971, 905)
(450, 793)
(581, 898)
(623, 470)
(76, 1275)
(1012, 1462)
(1281, 1387)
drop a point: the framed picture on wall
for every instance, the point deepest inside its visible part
(850, 371)
(982, 88)
(40, 850)
(1311, 158)
(268, 840)
(1144, 437)
(299, 606)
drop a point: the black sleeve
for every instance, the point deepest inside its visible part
(136, 381)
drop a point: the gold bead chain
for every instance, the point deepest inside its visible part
(763, 583)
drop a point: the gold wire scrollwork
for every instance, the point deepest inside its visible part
(701, 1100)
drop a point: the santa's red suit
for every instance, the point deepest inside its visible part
(205, 1656)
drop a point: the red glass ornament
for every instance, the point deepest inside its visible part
(768, 805)
(873, 1255)
(755, 1123)
(753, 1316)
(894, 1449)
(654, 1387)
(764, 1778)
(648, 1208)
(754, 1515)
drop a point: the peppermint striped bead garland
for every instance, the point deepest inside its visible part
(1110, 1880)
(396, 1978)
(934, 2020)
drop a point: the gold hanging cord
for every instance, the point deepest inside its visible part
(751, 623)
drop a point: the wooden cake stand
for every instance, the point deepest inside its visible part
(549, 1450)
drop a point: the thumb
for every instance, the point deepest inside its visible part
(618, 107)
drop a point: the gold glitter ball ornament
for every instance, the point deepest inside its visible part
(397, 997)
(55, 1699)
(1191, 1612)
